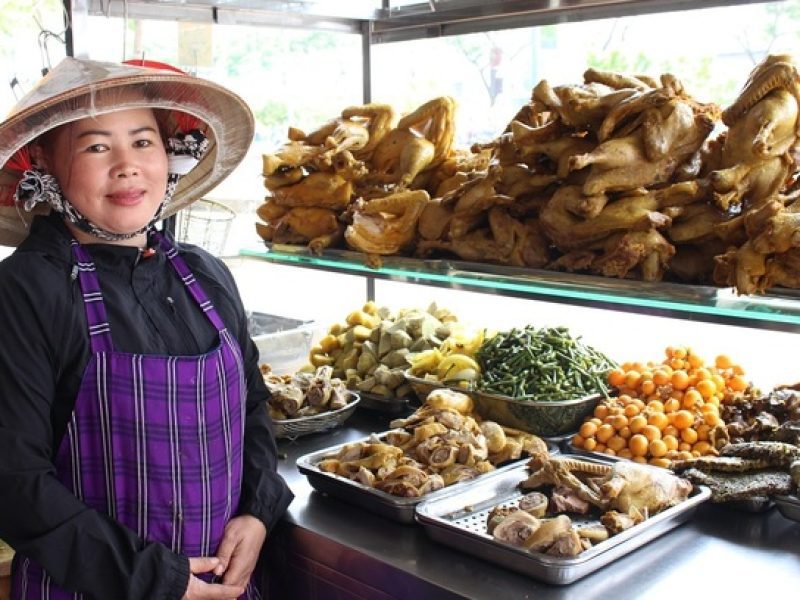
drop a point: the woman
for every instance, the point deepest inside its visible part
(137, 456)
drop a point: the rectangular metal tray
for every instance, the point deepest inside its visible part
(459, 520)
(393, 507)
(788, 506)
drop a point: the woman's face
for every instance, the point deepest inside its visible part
(112, 168)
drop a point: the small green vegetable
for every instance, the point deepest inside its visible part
(545, 364)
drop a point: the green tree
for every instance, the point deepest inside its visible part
(273, 113)
(782, 28)
(619, 62)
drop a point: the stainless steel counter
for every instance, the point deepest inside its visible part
(328, 549)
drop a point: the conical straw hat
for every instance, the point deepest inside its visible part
(79, 88)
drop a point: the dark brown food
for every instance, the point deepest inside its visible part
(726, 487)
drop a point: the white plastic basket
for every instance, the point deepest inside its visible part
(206, 223)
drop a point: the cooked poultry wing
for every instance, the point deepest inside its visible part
(379, 119)
(647, 250)
(386, 225)
(340, 134)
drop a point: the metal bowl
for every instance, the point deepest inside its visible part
(423, 387)
(294, 428)
(547, 419)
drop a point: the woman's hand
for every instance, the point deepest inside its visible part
(200, 590)
(238, 551)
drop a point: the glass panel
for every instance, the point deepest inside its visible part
(625, 337)
(31, 41)
(491, 74)
(667, 299)
(287, 77)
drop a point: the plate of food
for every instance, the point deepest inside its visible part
(562, 517)
(438, 446)
(306, 402)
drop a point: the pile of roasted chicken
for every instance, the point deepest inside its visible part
(621, 176)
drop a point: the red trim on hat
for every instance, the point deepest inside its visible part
(20, 160)
(184, 121)
(153, 64)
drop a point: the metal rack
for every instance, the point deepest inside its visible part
(392, 20)
(779, 310)
(384, 21)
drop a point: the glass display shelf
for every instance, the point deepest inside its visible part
(778, 310)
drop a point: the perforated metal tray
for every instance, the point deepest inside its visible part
(459, 520)
(393, 507)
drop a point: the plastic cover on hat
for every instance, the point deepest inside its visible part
(78, 89)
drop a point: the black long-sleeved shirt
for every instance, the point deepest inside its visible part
(44, 349)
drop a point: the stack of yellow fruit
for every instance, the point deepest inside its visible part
(453, 362)
(663, 411)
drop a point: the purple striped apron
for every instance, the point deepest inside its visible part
(155, 442)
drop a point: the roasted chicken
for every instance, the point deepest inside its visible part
(386, 225)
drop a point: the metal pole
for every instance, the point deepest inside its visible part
(70, 50)
(370, 288)
(366, 55)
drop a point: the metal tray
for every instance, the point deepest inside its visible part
(788, 506)
(393, 507)
(552, 418)
(459, 520)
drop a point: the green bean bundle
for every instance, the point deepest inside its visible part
(545, 364)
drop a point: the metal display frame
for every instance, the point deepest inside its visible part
(385, 21)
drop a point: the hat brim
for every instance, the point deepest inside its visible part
(79, 89)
